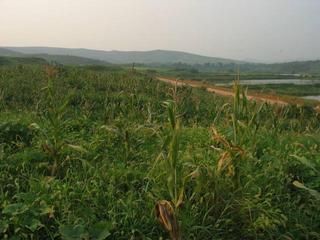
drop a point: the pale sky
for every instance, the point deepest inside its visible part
(265, 30)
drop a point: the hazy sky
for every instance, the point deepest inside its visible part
(267, 30)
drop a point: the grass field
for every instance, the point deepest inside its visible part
(289, 91)
(90, 153)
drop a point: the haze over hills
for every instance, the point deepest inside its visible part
(69, 59)
(181, 60)
(9, 53)
(125, 57)
(61, 59)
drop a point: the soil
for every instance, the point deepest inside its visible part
(272, 99)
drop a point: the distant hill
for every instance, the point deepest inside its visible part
(298, 67)
(69, 60)
(156, 58)
(60, 59)
(312, 67)
(9, 53)
(125, 57)
(20, 60)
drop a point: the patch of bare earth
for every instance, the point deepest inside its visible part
(224, 91)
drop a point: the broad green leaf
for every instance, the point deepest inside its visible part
(34, 225)
(31, 223)
(4, 225)
(100, 231)
(72, 232)
(15, 209)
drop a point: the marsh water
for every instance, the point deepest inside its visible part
(277, 82)
(274, 81)
(312, 97)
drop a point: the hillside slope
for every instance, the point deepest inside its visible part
(21, 60)
(60, 59)
(9, 53)
(122, 57)
(70, 60)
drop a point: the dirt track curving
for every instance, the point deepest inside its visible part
(223, 91)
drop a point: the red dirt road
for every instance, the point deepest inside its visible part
(223, 91)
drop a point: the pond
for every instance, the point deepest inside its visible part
(312, 97)
(300, 82)
(273, 81)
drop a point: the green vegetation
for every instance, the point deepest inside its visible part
(176, 62)
(125, 57)
(287, 89)
(9, 53)
(70, 60)
(12, 57)
(210, 71)
(94, 153)
(21, 60)
(173, 63)
(212, 77)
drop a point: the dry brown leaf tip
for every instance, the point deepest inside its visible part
(166, 216)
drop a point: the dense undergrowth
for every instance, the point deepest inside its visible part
(89, 154)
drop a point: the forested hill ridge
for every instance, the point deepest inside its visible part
(123, 57)
(158, 58)
(297, 67)
(9, 56)
(8, 53)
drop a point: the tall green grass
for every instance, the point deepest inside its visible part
(88, 154)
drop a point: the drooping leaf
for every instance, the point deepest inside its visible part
(313, 192)
(166, 216)
(77, 148)
(306, 162)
